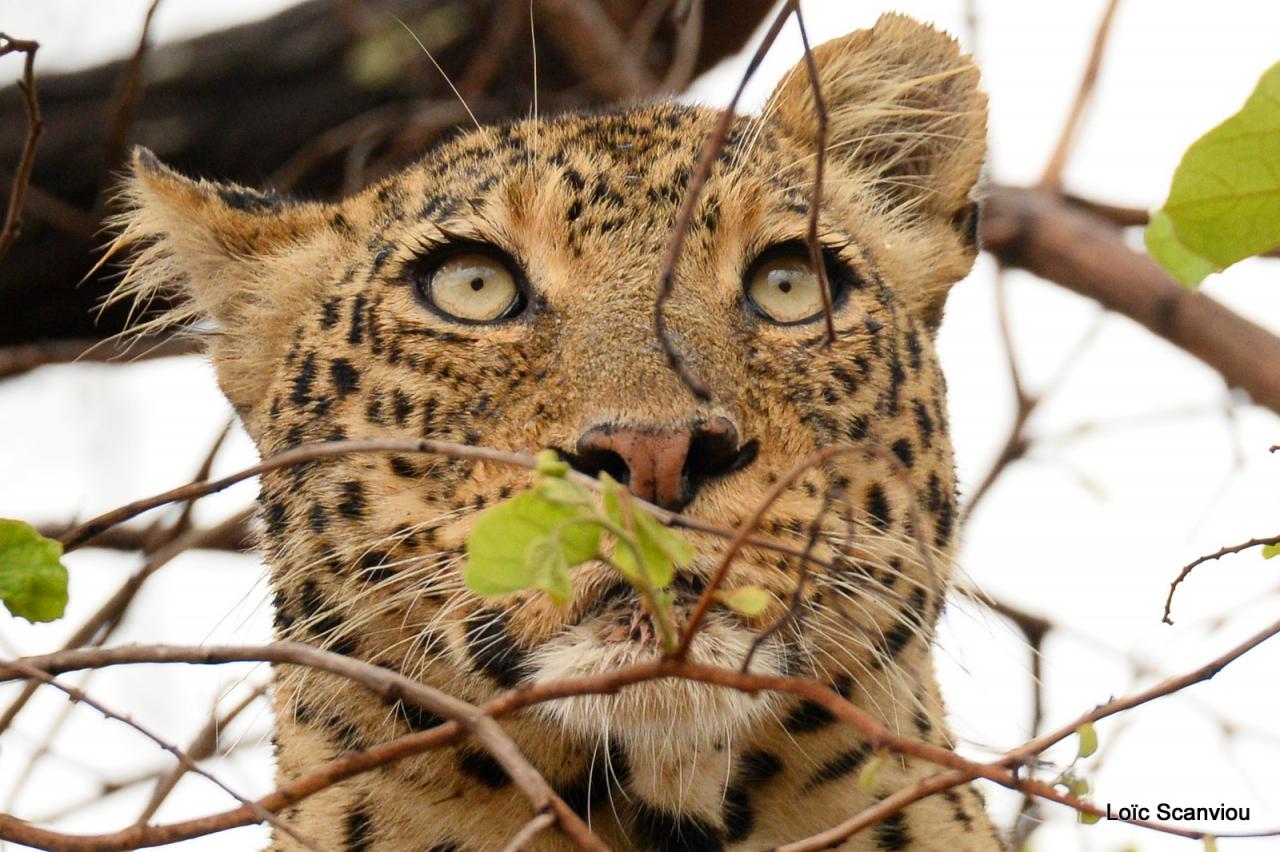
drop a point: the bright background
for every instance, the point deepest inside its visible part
(1143, 459)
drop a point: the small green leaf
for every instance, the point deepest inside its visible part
(1087, 818)
(1088, 740)
(501, 535)
(748, 600)
(1224, 204)
(871, 772)
(1270, 550)
(563, 491)
(549, 464)
(33, 580)
(549, 569)
(1210, 844)
(1186, 267)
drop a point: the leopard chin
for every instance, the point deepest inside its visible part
(654, 716)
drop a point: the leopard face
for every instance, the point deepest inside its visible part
(501, 292)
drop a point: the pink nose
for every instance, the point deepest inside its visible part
(665, 466)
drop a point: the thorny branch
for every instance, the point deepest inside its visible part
(35, 126)
(1218, 554)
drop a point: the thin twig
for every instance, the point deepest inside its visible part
(203, 745)
(1189, 567)
(35, 127)
(126, 97)
(185, 760)
(1051, 180)
(711, 149)
(741, 537)
(528, 831)
(816, 259)
(797, 593)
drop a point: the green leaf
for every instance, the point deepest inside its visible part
(662, 549)
(871, 772)
(33, 580)
(563, 491)
(549, 464)
(1186, 267)
(549, 569)
(1270, 550)
(1088, 740)
(748, 600)
(1210, 844)
(496, 548)
(1087, 818)
(1224, 204)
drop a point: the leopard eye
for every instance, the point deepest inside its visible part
(785, 289)
(471, 286)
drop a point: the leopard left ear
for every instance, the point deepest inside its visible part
(904, 113)
(223, 256)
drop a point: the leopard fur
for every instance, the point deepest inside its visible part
(318, 334)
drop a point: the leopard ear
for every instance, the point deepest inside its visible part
(904, 110)
(218, 255)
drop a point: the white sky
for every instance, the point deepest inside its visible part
(1087, 532)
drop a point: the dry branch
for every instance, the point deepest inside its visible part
(1049, 237)
(35, 127)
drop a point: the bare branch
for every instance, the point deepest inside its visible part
(1050, 238)
(710, 153)
(1051, 180)
(1189, 567)
(35, 126)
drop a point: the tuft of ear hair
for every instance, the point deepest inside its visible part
(903, 109)
(216, 254)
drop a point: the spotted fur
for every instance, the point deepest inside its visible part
(318, 334)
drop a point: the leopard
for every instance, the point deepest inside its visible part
(501, 292)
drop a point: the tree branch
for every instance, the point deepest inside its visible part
(1049, 237)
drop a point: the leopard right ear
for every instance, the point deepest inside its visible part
(222, 255)
(904, 109)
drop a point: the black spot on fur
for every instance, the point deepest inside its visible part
(756, 767)
(591, 788)
(659, 831)
(359, 830)
(482, 767)
(249, 200)
(402, 467)
(891, 833)
(402, 405)
(808, 716)
(902, 449)
(356, 334)
(494, 651)
(739, 817)
(345, 377)
(877, 507)
(353, 500)
(957, 809)
(843, 764)
(303, 380)
(329, 316)
(924, 423)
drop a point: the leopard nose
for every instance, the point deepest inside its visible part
(665, 466)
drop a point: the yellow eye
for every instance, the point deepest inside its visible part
(785, 289)
(473, 286)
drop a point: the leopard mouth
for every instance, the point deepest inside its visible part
(619, 616)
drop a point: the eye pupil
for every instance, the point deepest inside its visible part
(477, 284)
(784, 285)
